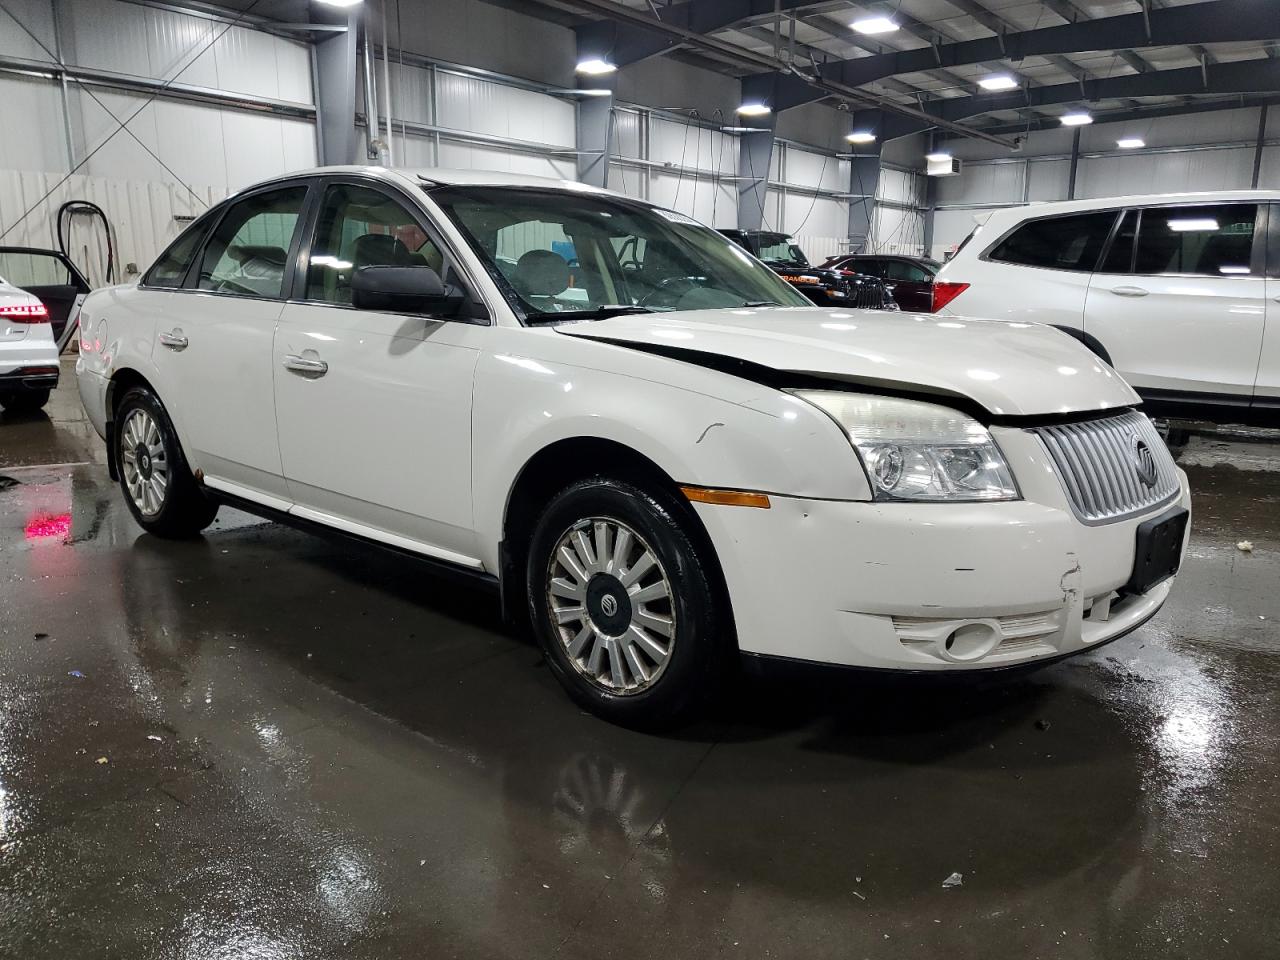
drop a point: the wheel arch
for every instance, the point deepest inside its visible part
(1089, 340)
(560, 463)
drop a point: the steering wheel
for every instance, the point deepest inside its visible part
(670, 290)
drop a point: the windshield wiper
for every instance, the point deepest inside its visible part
(602, 312)
(762, 303)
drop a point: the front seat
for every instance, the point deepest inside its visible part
(540, 273)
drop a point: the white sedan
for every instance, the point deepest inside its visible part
(28, 351)
(659, 452)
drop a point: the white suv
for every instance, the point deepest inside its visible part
(1180, 292)
(658, 451)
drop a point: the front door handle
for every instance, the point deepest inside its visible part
(1130, 291)
(174, 340)
(305, 366)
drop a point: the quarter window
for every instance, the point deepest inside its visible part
(1060, 243)
(248, 252)
(902, 270)
(34, 270)
(360, 227)
(171, 268)
(1215, 241)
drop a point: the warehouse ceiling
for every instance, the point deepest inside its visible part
(1116, 58)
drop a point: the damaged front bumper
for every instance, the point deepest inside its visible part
(928, 586)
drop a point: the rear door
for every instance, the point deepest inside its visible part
(912, 285)
(1179, 300)
(213, 342)
(49, 275)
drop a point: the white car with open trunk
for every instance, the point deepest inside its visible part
(658, 451)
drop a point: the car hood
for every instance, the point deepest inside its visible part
(1009, 369)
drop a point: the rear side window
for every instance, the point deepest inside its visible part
(1059, 243)
(1214, 241)
(247, 253)
(903, 270)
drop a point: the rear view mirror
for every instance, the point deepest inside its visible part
(404, 290)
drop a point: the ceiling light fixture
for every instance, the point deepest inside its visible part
(937, 157)
(861, 136)
(998, 81)
(595, 67)
(340, 3)
(1130, 143)
(755, 110)
(1075, 119)
(874, 25)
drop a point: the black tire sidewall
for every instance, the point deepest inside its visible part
(185, 510)
(689, 679)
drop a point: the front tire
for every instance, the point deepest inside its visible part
(623, 605)
(158, 486)
(28, 401)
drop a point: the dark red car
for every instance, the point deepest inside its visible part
(910, 279)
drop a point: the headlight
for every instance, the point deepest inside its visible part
(919, 451)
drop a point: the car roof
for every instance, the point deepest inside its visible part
(1052, 207)
(450, 177)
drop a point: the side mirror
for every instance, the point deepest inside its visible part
(404, 290)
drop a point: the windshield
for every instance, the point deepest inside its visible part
(560, 255)
(777, 248)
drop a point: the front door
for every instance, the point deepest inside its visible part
(213, 344)
(1266, 393)
(48, 275)
(1179, 300)
(374, 407)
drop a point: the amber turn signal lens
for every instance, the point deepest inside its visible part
(727, 498)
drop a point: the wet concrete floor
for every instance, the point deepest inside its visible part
(268, 745)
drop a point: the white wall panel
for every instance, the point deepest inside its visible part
(707, 202)
(36, 16)
(1269, 174)
(481, 106)
(476, 157)
(410, 91)
(949, 228)
(816, 170)
(626, 133)
(107, 35)
(141, 214)
(628, 180)
(1048, 179)
(112, 152)
(1165, 172)
(179, 44)
(30, 140)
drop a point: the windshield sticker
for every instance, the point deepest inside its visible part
(675, 217)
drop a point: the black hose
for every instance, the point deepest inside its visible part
(73, 207)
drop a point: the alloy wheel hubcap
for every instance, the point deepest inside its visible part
(612, 605)
(143, 462)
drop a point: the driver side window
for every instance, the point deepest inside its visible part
(360, 227)
(248, 253)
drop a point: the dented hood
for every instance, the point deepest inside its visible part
(1009, 369)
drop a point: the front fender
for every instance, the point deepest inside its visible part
(699, 426)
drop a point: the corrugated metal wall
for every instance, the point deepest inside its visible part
(136, 174)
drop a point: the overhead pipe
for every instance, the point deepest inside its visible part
(768, 64)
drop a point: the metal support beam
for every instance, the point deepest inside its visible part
(595, 139)
(755, 155)
(1257, 149)
(864, 181)
(1075, 164)
(336, 94)
(1138, 112)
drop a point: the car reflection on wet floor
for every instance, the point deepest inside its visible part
(316, 750)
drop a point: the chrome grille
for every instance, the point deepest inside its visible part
(1101, 462)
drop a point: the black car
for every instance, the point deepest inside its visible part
(910, 279)
(825, 287)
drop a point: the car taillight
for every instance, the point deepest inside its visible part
(24, 312)
(944, 291)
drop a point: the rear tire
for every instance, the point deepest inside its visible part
(158, 486)
(633, 631)
(28, 401)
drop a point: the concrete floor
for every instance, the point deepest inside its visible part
(267, 745)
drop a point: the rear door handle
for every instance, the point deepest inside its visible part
(1129, 291)
(174, 340)
(305, 366)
